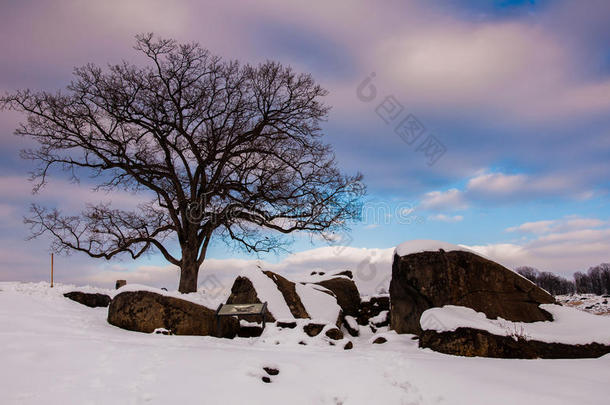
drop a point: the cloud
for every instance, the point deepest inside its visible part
(501, 186)
(452, 199)
(532, 227)
(498, 187)
(446, 218)
(560, 225)
(17, 191)
(563, 246)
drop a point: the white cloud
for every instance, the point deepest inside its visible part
(497, 184)
(17, 191)
(502, 187)
(452, 199)
(532, 227)
(562, 246)
(560, 225)
(446, 218)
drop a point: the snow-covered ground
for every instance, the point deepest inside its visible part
(56, 351)
(595, 304)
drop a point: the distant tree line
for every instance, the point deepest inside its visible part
(595, 281)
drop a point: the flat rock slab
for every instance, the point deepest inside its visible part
(93, 300)
(479, 343)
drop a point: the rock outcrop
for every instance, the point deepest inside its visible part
(474, 342)
(346, 292)
(288, 290)
(145, 311)
(372, 308)
(92, 300)
(435, 278)
(244, 291)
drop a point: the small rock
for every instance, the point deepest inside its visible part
(266, 379)
(313, 329)
(334, 334)
(348, 346)
(271, 370)
(349, 322)
(119, 284)
(289, 325)
(302, 343)
(380, 340)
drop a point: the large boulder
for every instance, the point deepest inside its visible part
(145, 311)
(472, 342)
(346, 292)
(429, 279)
(92, 300)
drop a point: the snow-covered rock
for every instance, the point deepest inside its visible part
(146, 311)
(427, 245)
(463, 331)
(569, 325)
(285, 299)
(424, 276)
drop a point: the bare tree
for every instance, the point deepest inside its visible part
(218, 148)
(552, 283)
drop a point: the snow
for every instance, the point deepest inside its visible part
(569, 326)
(383, 316)
(351, 321)
(198, 297)
(595, 304)
(319, 305)
(425, 245)
(57, 351)
(267, 291)
(316, 278)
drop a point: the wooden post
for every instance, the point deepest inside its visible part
(51, 270)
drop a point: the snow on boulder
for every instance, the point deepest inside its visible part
(466, 332)
(426, 245)
(346, 292)
(428, 274)
(146, 311)
(285, 299)
(569, 325)
(319, 305)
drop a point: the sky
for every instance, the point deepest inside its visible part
(482, 123)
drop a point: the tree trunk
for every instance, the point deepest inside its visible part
(189, 271)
